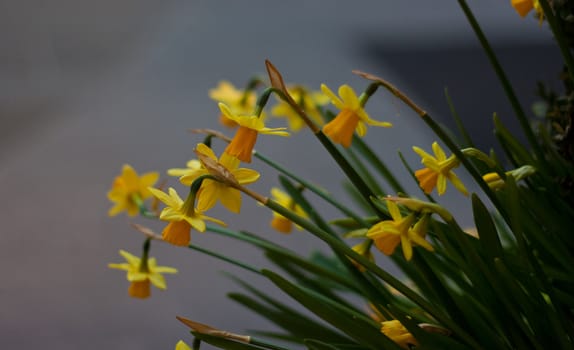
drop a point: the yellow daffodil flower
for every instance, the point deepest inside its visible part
(140, 272)
(212, 191)
(523, 7)
(389, 233)
(308, 100)
(279, 222)
(181, 345)
(352, 116)
(438, 170)
(395, 330)
(182, 218)
(239, 101)
(249, 127)
(128, 189)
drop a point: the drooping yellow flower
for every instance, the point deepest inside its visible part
(388, 234)
(128, 189)
(438, 170)
(181, 345)
(523, 7)
(352, 116)
(182, 217)
(212, 191)
(239, 101)
(308, 100)
(140, 272)
(395, 330)
(249, 127)
(279, 222)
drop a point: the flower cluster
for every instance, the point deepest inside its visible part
(479, 287)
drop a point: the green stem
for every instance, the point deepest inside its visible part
(379, 165)
(262, 101)
(351, 173)
(318, 191)
(145, 254)
(508, 89)
(263, 344)
(226, 259)
(272, 247)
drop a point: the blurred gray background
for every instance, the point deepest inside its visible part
(86, 86)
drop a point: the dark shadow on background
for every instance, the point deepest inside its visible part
(471, 81)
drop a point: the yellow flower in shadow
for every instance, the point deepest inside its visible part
(352, 116)
(279, 222)
(140, 272)
(438, 170)
(389, 233)
(395, 330)
(523, 7)
(241, 146)
(128, 189)
(182, 217)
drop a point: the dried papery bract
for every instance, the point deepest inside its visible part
(209, 330)
(277, 83)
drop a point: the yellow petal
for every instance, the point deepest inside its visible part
(203, 149)
(196, 222)
(438, 152)
(421, 153)
(129, 175)
(407, 247)
(130, 258)
(349, 97)
(457, 183)
(123, 266)
(418, 240)
(165, 269)
(208, 195)
(161, 196)
(157, 280)
(394, 211)
(334, 99)
(149, 179)
(231, 199)
(182, 346)
(441, 184)
(274, 131)
(229, 162)
(246, 176)
(361, 128)
(116, 209)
